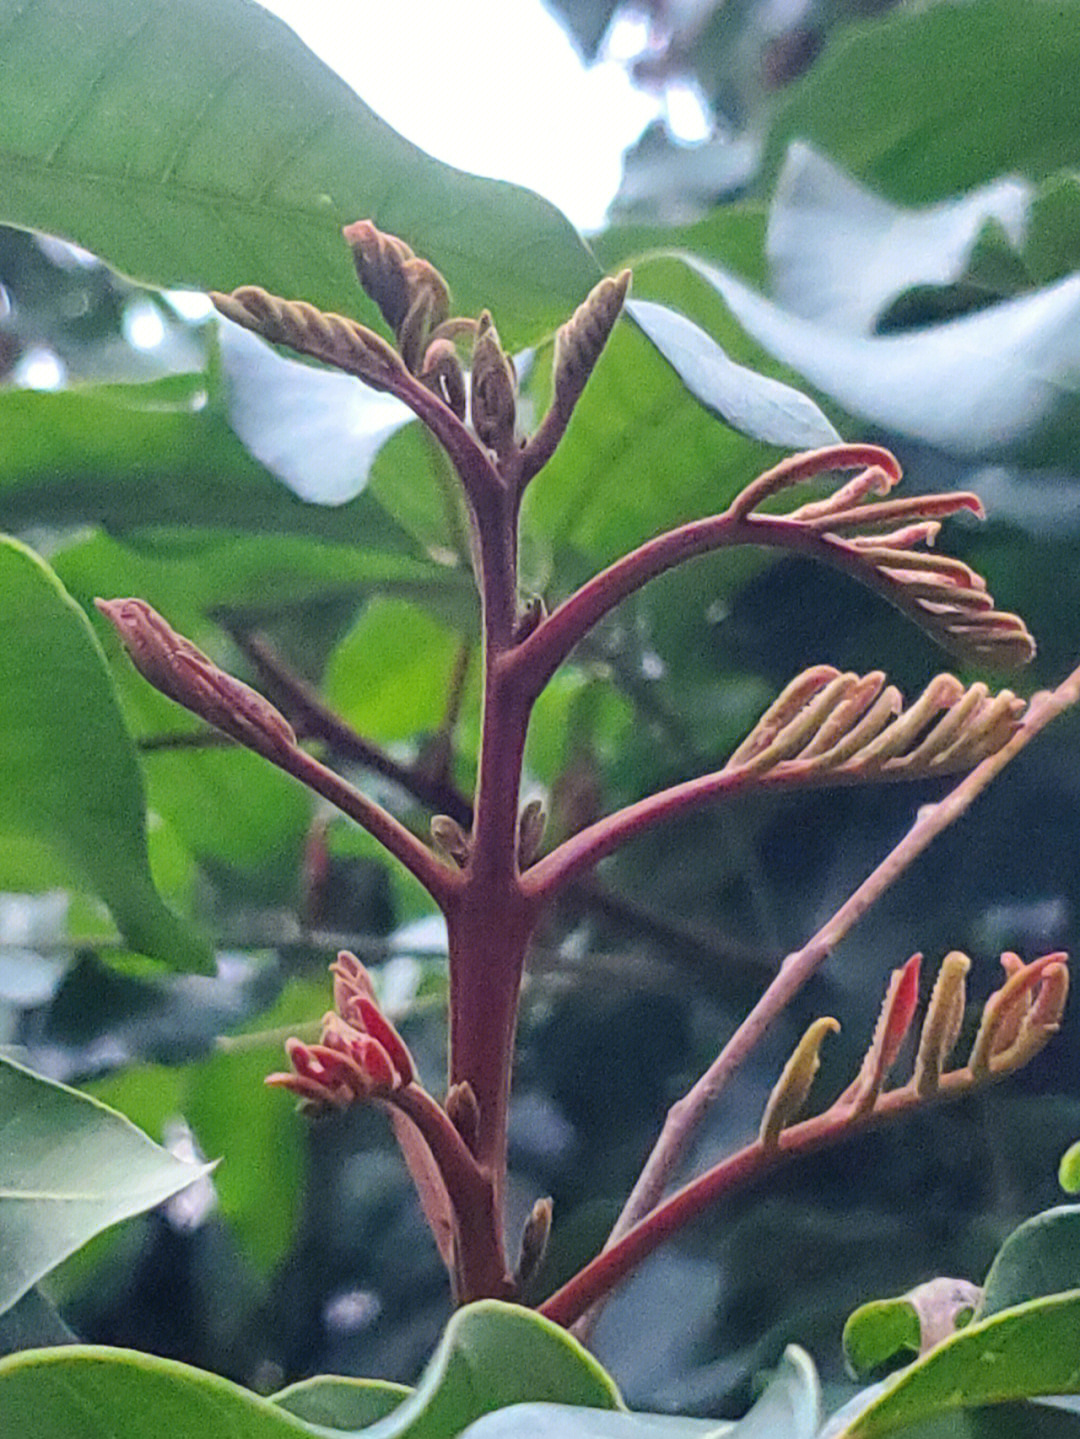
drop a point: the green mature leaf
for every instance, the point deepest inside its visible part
(132, 456)
(1053, 238)
(878, 1332)
(790, 1407)
(891, 1330)
(1041, 1257)
(199, 143)
(491, 1355)
(72, 780)
(98, 1393)
(752, 403)
(340, 1403)
(1020, 1353)
(892, 99)
(640, 455)
(732, 234)
(258, 573)
(1035, 1419)
(71, 1168)
(1069, 1169)
(390, 675)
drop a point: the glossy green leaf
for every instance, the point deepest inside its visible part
(1069, 1170)
(754, 404)
(247, 157)
(892, 99)
(1034, 1419)
(340, 1403)
(878, 1332)
(888, 1331)
(1020, 1353)
(71, 1167)
(72, 780)
(99, 1393)
(491, 1355)
(1041, 1257)
(132, 456)
(789, 1406)
(390, 675)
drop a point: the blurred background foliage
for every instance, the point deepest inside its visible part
(888, 207)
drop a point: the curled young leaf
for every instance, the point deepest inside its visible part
(839, 727)
(941, 1028)
(410, 292)
(493, 394)
(878, 541)
(174, 666)
(793, 1087)
(335, 340)
(894, 1021)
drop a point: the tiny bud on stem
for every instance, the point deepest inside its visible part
(174, 666)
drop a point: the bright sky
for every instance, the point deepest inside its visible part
(439, 72)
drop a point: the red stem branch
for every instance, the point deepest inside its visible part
(686, 1115)
(565, 627)
(440, 881)
(595, 1282)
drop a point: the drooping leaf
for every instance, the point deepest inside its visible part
(71, 1167)
(247, 157)
(1016, 1354)
(999, 384)
(754, 404)
(72, 780)
(1041, 1257)
(841, 253)
(894, 99)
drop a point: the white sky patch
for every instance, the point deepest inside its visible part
(492, 86)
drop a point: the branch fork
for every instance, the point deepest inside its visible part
(486, 867)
